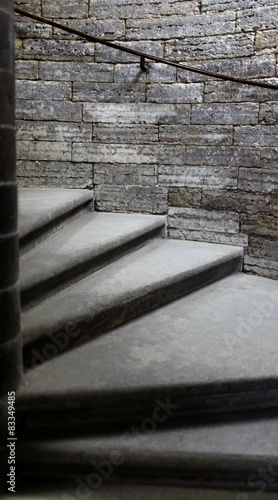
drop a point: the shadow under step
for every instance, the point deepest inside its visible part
(239, 455)
(210, 352)
(90, 242)
(42, 211)
(161, 271)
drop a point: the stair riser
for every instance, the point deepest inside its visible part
(31, 296)
(144, 301)
(34, 238)
(233, 473)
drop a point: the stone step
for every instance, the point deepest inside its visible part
(209, 352)
(74, 491)
(44, 211)
(159, 272)
(83, 246)
(230, 454)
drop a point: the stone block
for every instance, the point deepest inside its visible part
(45, 91)
(175, 93)
(220, 177)
(260, 225)
(31, 29)
(269, 158)
(269, 113)
(27, 70)
(210, 47)
(8, 208)
(9, 313)
(203, 220)
(222, 5)
(126, 174)
(156, 73)
(235, 92)
(144, 199)
(225, 114)
(258, 180)
(108, 54)
(166, 27)
(109, 92)
(102, 9)
(7, 154)
(258, 18)
(54, 131)
(260, 136)
(266, 41)
(198, 135)
(65, 8)
(225, 156)
(58, 50)
(209, 237)
(184, 197)
(51, 110)
(109, 29)
(243, 67)
(125, 134)
(147, 113)
(132, 153)
(263, 246)
(43, 150)
(261, 266)
(54, 174)
(33, 6)
(236, 201)
(76, 71)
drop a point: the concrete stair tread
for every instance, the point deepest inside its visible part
(206, 454)
(40, 207)
(158, 272)
(82, 246)
(213, 350)
(69, 491)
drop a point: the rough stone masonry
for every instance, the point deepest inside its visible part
(167, 141)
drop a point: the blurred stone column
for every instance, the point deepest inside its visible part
(10, 337)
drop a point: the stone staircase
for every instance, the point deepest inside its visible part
(151, 364)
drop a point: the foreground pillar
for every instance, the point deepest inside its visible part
(10, 338)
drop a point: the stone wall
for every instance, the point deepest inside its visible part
(203, 150)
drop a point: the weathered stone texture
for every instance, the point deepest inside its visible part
(101, 9)
(199, 219)
(109, 92)
(65, 8)
(180, 26)
(125, 134)
(210, 47)
(175, 93)
(131, 199)
(226, 114)
(137, 113)
(126, 174)
(258, 180)
(220, 177)
(166, 136)
(54, 174)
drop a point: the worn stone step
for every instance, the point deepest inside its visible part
(209, 352)
(149, 277)
(43, 211)
(232, 454)
(73, 491)
(83, 246)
